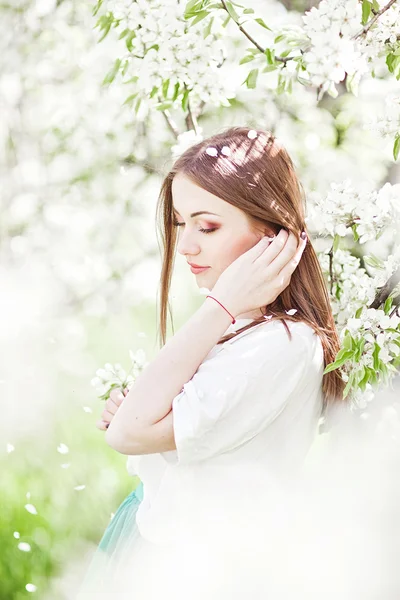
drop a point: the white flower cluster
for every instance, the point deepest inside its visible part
(167, 47)
(112, 376)
(383, 35)
(372, 326)
(186, 140)
(387, 122)
(386, 269)
(370, 211)
(333, 53)
(352, 286)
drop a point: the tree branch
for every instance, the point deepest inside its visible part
(170, 123)
(330, 254)
(368, 25)
(282, 59)
(191, 118)
(385, 290)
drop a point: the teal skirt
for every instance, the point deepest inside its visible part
(121, 535)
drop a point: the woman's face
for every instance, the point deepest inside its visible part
(231, 233)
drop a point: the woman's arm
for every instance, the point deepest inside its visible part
(147, 408)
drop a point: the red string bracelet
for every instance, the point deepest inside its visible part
(234, 320)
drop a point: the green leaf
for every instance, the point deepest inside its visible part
(109, 78)
(97, 7)
(389, 61)
(225, 23)
(164, 88)
(251, 80)
(269, 68)
(232, 12)
(336, 242)
(388, 305)
(373, 261)
(281, 85)
(270, 54)
(396, 146)
(207, 29)
(358, 312)
(349, 384)
(348, 341)
(262, 23)
(137, 105)
(375, 355)
(176, 91)
(164, 105)
(246, 59)
(360, 349)
(125, 67)
(366, 11)
(128, 41)
(339, 362)
(355, 234)
(279, 38)
(123, 33)
(153, 91)
(363, 383)
(248, 11)
(105, 23)
(192, 8)
(185, 100)
(344, 354)
(375, 5)
(200, 16)
(130, 99)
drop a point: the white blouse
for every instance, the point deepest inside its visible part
(243, 425)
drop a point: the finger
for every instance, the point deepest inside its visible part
(288, 269)
(107, 416)
(111, 406)
(116, 396)
(259, 247)
(125, 391)
(273, 250)
(102, 425)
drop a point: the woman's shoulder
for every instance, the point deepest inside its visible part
(275, 329)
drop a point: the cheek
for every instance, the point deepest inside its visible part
(235, 247)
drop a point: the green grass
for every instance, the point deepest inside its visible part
(66, 517)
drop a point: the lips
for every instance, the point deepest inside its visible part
(197, 266)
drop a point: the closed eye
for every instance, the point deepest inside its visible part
(176, 224)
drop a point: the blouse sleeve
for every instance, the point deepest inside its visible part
(237, 393)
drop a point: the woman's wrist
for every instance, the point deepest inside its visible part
(219, 306)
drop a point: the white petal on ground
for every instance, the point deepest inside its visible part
(24, 547)
(87, 409)
(30, 587)
(62, 449)
(31, 509)
(17, 535)
(78, 488)
(10, 448)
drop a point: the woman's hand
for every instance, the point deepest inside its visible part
(112, 405)
(258, 276)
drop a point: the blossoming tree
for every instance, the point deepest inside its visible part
(178, 59)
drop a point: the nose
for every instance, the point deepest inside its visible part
(187, 246)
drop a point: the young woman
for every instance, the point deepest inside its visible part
(218, 424)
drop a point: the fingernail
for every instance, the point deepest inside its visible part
(107, 425)
(303, 235)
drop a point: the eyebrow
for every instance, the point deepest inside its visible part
(196, 214)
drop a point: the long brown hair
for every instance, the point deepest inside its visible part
(255, 173)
